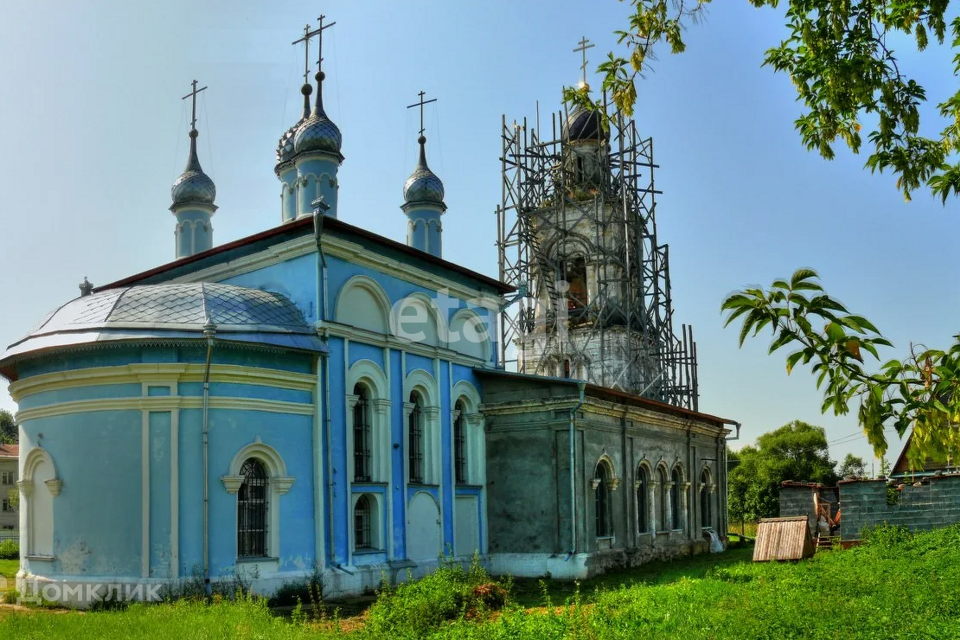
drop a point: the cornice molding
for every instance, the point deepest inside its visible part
(165, 403)
(354, 334)
(161, 375)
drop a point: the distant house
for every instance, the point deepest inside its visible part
(9, 454)
(931, 466)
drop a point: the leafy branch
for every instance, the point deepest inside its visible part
(838, 58)
(918, 393)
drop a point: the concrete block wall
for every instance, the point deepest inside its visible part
(863, 504)
(796, 499)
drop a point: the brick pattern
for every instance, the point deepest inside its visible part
(921, 508)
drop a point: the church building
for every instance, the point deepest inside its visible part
(319, 397)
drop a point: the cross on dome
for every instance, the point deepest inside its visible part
(584, 45)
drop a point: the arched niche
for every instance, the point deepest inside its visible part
(470, 335)
(363, 303)
(416, 318)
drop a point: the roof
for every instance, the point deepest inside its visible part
(166, 312)
(297, 228)
(9, 451)
(612, 395)
(901, 467)
(783, 539)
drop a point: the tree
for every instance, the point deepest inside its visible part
(9, 434)
(920, 393)
(795, 451)
(853, 466)
(839, 57)
(14, 497)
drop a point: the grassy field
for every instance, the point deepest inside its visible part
(896, 586)
(8, 570)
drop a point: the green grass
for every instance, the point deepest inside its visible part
(8, 569)
(896, 586)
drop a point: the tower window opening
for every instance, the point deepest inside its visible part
(574, 272)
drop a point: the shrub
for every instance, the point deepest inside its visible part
(887, 537)
(9, 550)
(414, 609)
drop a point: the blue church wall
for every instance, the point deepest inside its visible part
(446, 468)
(399, 459)
(234, 390)
(98, 454)
(295, 278)
(361, 351)
(160, 423)
(92, 392)
(415, 362)
(292, 437)
(190, 511)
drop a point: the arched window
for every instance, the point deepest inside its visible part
(664, 523)
(566, 368)
(705, 499)
(415, 447)
(363, 523)
(643, 501)
(252, 511)
(460, 445)
(675, 494)
(602, 502)
(361, 435)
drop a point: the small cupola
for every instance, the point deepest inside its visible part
(193, 194)
(423, 199)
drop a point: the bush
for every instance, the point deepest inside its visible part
(9, 550)
(414, 609)
(887, 537)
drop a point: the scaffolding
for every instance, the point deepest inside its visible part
(577, 227)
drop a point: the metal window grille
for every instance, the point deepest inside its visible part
(459, 447)
(705, 500)
(416, 439)
(602, 503)
(362, 518)
(675, 499)
(662, 479)
(252, 511)
(643, 523)
(361, 436)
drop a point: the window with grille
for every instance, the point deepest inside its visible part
(675, 499)
(643, 500)
(459, 446)
(6, 505)
(705, 499)
(252, 511)
(416, 438)
(662, 507)
(361, 435)
(602, 502)
(362, 523)
(8, 477)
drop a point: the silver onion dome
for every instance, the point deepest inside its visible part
(193, 186)
(423, 186)
(285, 148)
(318, 133)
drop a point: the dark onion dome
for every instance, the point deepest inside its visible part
(193, 186)
(423, 186)
(177, 313)
(318, 134)
(584, 124)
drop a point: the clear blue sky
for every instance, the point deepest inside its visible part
(93, 134)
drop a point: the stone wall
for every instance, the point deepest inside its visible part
(863, 504)
(796, 499)
(921, 507)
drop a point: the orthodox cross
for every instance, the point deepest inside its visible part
(193, 94)
(584, 45)
(307, 34)
(420, 104)
(319, 33)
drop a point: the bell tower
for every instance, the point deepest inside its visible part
(577, 226)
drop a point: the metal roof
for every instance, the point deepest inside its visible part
(152, 313)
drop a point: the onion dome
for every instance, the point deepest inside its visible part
(423, 186)
(318, 134)
(193, 186)
(285, 148)
(584, 124)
